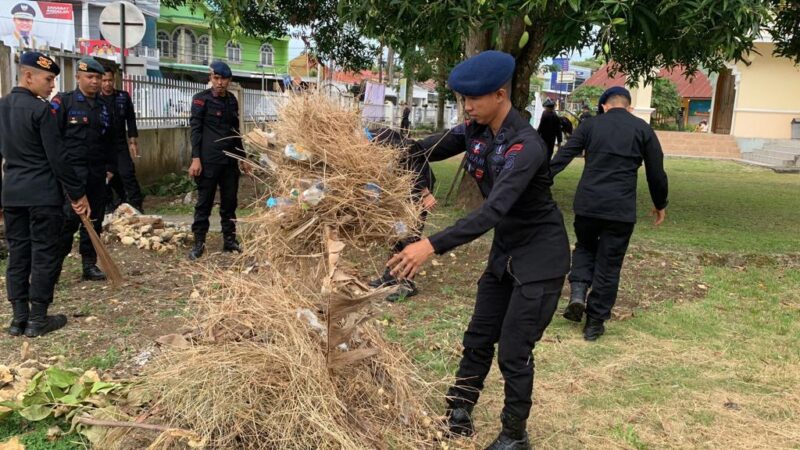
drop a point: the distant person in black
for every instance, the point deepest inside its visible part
(616, 144)
(124, 181)
(422, 192)
(85, 121)
(35, 177)
(214, 131)
(566, 128)
(405, 123)
(585, 114)
(550, 127)
(519, 290)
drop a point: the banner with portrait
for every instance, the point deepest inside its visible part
(37, 25)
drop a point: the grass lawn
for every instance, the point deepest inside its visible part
(707, 354)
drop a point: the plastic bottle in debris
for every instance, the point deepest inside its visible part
(292, 151)
(279, 203)
(314, 194)
(373, 191)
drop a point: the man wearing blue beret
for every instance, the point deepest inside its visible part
(519, 290)
(85, 122)
(36, 177)
(215, 131)
(616, 144)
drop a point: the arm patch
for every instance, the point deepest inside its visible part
(513, 150)
(198, 102)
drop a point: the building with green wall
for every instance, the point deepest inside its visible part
(187, 46)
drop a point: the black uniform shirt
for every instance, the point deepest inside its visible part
(214, 120)
(511, 171)
(616, 144)
(550, 128)
(124, 123)
(86, 124)
(34, 161)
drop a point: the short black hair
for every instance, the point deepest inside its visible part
(110, 69)
(618, 98)
(507, 87)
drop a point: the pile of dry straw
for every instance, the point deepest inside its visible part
(285, 356)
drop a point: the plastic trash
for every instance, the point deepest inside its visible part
(279, 203)
(265, 162)
(313, 195)
(294, 152)
(400, 228)
(373, 191)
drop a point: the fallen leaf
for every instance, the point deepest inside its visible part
(12, 444)
(174, 340)
(194, 295)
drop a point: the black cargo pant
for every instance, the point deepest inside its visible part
(96, 193)
(515, 317)
(124, 183)
(226, 177)
(597, 261)
(34, 255)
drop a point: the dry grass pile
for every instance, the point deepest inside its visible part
(284, 355)
(325, 173)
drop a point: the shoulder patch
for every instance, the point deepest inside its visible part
(513, 150)
(55, 104)
(198, 102)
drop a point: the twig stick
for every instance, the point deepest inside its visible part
(114, 424)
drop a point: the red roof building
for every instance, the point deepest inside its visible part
(697, 87)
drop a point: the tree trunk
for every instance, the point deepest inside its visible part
(410, 91)
(390, 67)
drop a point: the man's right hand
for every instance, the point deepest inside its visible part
(659, 214)
(81, 207)
(196, 168)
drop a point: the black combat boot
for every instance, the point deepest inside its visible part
(459, 421)
(513, 435)
(92, 273)
(387, 279)
(577, 301)
(593, 329)
(407, 289)
(198, 249)
(20, 319)
(39, 323)
(230, 244)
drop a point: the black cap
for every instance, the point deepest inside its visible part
(611, 92)
(90, 65)
(23, 11)
(549, 103)
(39, 61)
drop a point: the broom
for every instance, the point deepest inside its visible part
(108, 265)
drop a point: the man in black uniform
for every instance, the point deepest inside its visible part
(35, 177)
(550, 127)
(518, 293)
(85, 122)
(585, 114)
(124, 181)
(616, 144)
(422, 192)
(215, 130)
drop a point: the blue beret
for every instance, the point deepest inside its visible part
(23, 11)
(39, 61)
(221, 69)
(90, 65)
(610, 92)
(482, 74)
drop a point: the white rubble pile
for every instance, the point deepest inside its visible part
(147, 232)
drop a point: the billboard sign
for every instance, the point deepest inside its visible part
(36, 25)
(100, 48)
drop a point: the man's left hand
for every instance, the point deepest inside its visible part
(133, 147)
(245, 168)
(408, 262)
(109, 176)
(428, 200)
